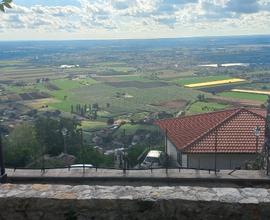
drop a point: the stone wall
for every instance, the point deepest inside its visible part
(53, 202)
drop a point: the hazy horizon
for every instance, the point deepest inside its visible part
(141, 39)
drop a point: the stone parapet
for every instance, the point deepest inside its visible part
(43, 201)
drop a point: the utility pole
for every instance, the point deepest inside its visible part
(83, 149)
(43, 159)
(257, 134)
(166, 150)
(216, 143)
(64, 132)
(3, 175)
(267, 135)
(166, 141)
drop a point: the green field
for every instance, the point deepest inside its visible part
(140, 99)
(191, 80)
(66, 87)
(66, 84)
(201, 107)
(92, 125)
(241, 95)
(74, 92)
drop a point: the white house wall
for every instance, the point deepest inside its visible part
(207, 161)
(224, 161)
(171, 150)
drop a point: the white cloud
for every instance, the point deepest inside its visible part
(126, 17)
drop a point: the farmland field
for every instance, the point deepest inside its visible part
(138, 84)
(134, 78)
(39, 103)
(252, 91)
(126, 96)
(92, 125)
(214, 83)
(137, 100)
(202, 79)
(241, 95)
(66, 84)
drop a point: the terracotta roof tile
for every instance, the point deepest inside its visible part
(234, 127)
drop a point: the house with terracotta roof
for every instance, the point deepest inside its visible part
(226, 139)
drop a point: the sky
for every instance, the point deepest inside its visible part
(133, 19)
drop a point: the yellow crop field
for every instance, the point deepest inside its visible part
(216, 82)
(251, 91)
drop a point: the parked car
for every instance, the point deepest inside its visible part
(81, 166)
(154, 159)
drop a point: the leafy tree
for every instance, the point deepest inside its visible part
(95, 107)
(134, 153)
(5, 4)
(82, 111)
(49, 133)
(201, 97)
(72, 109)
(91, 156)
(22, 146)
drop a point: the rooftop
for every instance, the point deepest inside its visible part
(226, 131)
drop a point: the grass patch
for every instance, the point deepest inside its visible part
(38, 103)
(142, 99)
(92, 125)
(201, 107)
(252, 91)
(65, 95)
(240, 95)
(65, 84)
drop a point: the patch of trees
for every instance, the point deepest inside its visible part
(21, 146)
(93, 156)
(120, 94)
(50, 135)
(27, 142)
(201, 97)
(85, 110)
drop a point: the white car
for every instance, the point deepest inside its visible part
(81, 166)
(154, 159)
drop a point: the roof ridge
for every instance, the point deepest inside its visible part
(199, 114)
(238, 110)
(254, 113)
